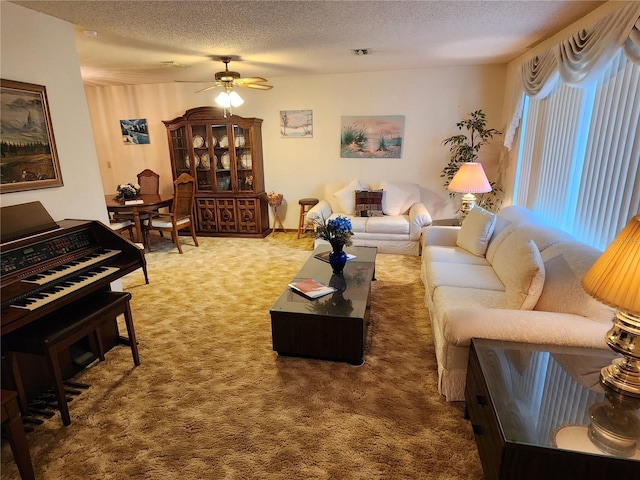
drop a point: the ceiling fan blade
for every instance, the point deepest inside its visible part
(240, 81)
(257, 86)
(210, 87)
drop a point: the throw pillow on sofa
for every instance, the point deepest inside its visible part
(476, 231)
(393, 198)
(369, 203)
(346, 196)
(520, 268)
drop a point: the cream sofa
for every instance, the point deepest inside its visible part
(506, 277)
(397, 231)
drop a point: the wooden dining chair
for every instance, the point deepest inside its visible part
(149, 182)
(179, 217)
(121, 226)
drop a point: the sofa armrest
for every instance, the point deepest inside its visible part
(419, 217)
(320, 211)
(445, 236)
(527, 326)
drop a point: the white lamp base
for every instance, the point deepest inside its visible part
(467, 203)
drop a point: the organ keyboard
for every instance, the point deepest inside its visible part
(44, 272)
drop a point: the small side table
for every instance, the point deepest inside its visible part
(446, 222)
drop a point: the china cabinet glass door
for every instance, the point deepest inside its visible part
(244, 158)
(179, 145)
(221, 158)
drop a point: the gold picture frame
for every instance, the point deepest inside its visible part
(29, 159)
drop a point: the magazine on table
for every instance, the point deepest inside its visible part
(324, 256)
(311, 288)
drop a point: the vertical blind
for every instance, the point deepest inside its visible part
(578, 165)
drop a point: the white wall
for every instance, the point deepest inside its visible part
(40, 49)
(432, 101)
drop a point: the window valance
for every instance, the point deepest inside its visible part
(583, 56)
(579, 59)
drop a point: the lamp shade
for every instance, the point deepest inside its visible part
(470, 178)
(614, 279)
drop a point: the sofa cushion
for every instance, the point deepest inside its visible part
(455, 255)
(565, 264)
(369, 203)
(471, 277)
(388, 224)
(520, 268)
(476, 230)
(393, 198)
(358, 224)
(507, 220)
(346, 196)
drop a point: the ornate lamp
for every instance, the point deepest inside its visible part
(469, 179)
(614, 279)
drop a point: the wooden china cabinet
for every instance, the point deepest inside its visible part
(225, 157)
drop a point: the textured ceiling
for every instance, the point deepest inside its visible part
(135, 39)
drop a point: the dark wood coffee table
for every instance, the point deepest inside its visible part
(530, 408)
(333, 327)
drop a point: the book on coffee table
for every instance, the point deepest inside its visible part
(311, 288)
(324, 256)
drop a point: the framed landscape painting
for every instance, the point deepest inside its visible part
(296, 123)
(29, 158)
(373, 136)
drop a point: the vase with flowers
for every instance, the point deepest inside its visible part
(127, 191)
(338, 232)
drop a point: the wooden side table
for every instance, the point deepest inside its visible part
(446, 222)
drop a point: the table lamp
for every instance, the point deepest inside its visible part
(614, 279)
(469, 179)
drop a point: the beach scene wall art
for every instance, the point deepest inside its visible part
(374, 136)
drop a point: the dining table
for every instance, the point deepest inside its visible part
(149, 202)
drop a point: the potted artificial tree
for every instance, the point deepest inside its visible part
(465, 148)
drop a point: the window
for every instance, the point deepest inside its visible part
(579, 158)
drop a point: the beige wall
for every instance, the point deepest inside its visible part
(40, 49)
(432, 101)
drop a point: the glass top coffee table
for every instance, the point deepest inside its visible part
(540, 412)
(333, 327)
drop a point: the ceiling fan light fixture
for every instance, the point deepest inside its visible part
(229, 99)
(236, 100)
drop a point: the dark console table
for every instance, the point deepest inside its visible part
(530, 410)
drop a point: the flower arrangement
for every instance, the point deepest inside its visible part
(127, 190)
(337, 231)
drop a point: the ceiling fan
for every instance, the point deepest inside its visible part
(228, 79)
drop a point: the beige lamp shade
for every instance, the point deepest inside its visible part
(614, 279)
(470, 178)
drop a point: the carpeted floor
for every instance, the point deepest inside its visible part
(211, 400)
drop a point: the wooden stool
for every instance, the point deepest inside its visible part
(305, 206)
(16, 435)
(59, 330)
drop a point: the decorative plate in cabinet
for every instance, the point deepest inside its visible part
(225, 160)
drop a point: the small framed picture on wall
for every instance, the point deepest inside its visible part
(296, 123)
